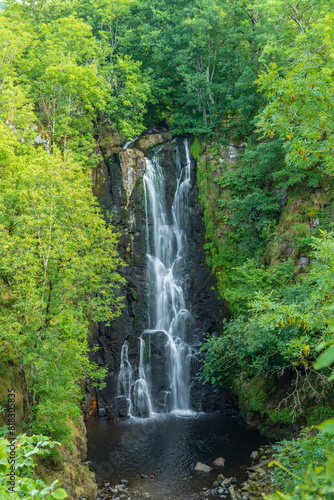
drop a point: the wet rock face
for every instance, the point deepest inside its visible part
(133, 165)
(118, 184)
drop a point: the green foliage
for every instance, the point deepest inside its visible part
(281, 337)
(245, 346)
(195, 148)
(129, 97)
(298, 456)
(314, 483)
(299, 108)
(58, 270)
(26, 485)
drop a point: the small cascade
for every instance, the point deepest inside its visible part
(169, 320)
(125, 377)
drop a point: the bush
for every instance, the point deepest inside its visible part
(305, 453)
(17, 477)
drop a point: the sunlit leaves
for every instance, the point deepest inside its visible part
(300, 107)
(26, 486)
(58, 270)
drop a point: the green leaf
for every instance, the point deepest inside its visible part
(325, 359)
(59, 494)
(327, 426)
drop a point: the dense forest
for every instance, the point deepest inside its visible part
(254, 75)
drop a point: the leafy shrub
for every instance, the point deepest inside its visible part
(26, 486)
(305, 453)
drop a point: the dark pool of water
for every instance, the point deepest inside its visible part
(168, 447)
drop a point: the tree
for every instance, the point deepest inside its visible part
(58, 270)
(67, 89)
(299, 108)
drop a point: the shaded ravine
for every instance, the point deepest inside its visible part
(158, 454)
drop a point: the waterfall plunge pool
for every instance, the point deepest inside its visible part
(166, 448)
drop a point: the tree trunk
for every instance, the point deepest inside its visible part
(26, 405)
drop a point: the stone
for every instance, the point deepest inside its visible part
(232, 493)
(121, 406)
(146, 495)
(220, 478)
(254, 455)
(314, 223)
(227, 482)
(260, 473)
(303, 262)
(202, 467)
(219, 462)
(102, 412)
(150, 140)
(233, 154)
(260, 464)
(220, 490)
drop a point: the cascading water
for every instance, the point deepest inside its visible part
(169, 319)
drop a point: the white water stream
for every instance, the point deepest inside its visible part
(169, 318)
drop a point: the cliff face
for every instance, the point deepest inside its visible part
(118, 185)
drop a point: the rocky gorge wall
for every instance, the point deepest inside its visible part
(118, 185)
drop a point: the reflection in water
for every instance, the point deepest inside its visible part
(168, 447)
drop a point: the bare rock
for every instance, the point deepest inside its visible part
(133, 167)
(233, 494)
(219, 462)
(148, 141)
(202, 467)
(227, 482)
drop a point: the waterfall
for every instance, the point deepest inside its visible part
(169, 320)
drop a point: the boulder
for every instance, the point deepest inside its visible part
(122, 407)
(227, 482)
(219, 462)
(202, 467)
